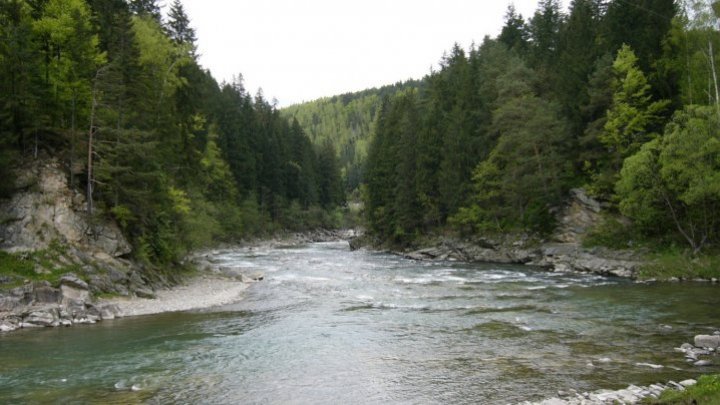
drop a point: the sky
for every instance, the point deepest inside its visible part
(303, 50)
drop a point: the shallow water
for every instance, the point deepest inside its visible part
(332, 326)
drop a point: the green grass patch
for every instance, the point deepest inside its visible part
(41, 265)
(705, 392)
(679, 264)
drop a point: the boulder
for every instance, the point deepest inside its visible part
(70, 293)
(46, 295)
(707, 341)
(110, 311)
(72, 280)
(144, 292)
(6, 326)
(41, 317)
(9, 304)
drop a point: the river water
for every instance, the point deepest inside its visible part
(328, 325)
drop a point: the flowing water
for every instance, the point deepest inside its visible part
(332, 326)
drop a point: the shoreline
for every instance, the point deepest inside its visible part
(201, 292)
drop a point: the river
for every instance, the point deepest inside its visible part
(328, 325)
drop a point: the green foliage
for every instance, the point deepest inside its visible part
(705, 392)
(679, 264)
(346, 121)
(611, 233)
(522, 179)
(178, 161)
(673, 184)
(41, 265)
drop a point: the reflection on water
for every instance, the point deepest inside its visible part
(332, 326)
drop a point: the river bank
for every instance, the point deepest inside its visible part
(72, 298)
(201, 292)
(561, 251)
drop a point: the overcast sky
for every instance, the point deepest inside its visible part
(302, 50)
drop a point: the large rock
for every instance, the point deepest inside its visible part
(581, 213)
(46, 295)
(71, 280)
(110, 311)
(45, 209)
(74, 294)
(707, 341)
(41, 317)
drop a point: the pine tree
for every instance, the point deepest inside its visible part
(179, 28)
(634, 118)
(146, 7)
(514, 33)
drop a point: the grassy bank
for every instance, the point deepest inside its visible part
(42, 265)
(705, 392)
(675, 265)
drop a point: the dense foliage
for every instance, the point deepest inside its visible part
(347, 121)
(608, 96)
(117, 95)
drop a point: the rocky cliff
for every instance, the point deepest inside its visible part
(71, 257)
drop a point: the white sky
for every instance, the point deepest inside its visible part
(303, 50)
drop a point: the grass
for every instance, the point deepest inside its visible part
(681, 265)
(705, 392)
(41, 265)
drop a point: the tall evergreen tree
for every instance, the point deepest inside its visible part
(179, 28)
(514, 33)
(146, 7)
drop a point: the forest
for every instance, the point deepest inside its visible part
(619, 97)
(114, 92)
(348, 122)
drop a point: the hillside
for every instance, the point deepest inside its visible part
(346, 121)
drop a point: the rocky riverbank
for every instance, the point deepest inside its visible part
(630, 395)
(562, 251)
(702, 353)
(202, 292)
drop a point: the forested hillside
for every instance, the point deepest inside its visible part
(620, 97)
(180, 161)
(348, 122)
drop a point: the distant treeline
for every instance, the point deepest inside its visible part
(347, 121)
(180, 161)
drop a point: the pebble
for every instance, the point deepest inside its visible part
(703, 363)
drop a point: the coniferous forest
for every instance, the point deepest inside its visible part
(115, 93)
(619, 97)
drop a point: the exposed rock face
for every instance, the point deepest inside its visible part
(40, 305)
(45, 209)
(580, 214)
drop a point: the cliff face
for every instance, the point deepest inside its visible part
(46, 227)
(45, 210)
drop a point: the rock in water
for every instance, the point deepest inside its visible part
(707, 341)
(703, 363)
